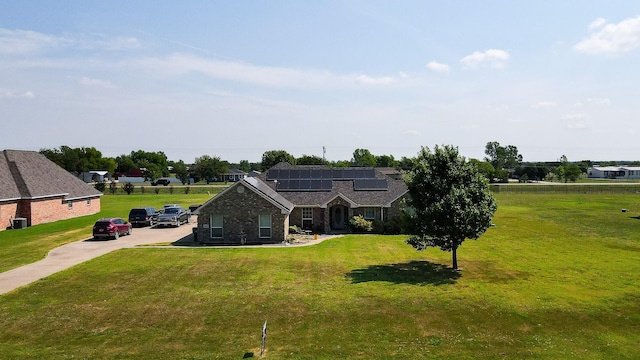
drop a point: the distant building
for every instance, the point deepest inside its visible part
(35, 190)
(614, 172)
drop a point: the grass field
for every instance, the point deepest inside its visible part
(20, 247)
(558, 277)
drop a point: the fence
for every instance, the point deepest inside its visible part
(577, 188)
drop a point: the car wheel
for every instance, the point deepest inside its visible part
(116, 235)
(130, 230)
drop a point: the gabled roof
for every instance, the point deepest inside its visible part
(258, 187)
(343, 188)
(30, 175)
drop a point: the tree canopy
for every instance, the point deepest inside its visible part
(207, 167)
(363, 157)
(502, 157)
(449, 201)
(273, 157)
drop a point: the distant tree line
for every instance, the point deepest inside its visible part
(500, 164)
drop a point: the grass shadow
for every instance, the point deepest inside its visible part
(414, 272)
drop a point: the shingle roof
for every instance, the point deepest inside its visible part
(342, 188)
(30, 175)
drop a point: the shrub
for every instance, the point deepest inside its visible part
(142, 189)
(377, 227)
(360, 225)
(171, 189)
(100, 186)
(157, 190)
(187, 190)
(395, 226)
(128, 188)
(113, 187)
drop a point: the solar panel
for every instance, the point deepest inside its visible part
(273, 174)
(370, 184)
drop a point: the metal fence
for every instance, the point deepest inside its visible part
(575, 188)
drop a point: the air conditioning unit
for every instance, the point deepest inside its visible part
(19, 223)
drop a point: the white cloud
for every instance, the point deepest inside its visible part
(411, 132)
(179, 64)
(12, 95)
(23, 42)
(611, 38)
(493, 57)
(437, 67)
(575, 121)
(544, 105)
(597, 23)
(97, 83)
(599, 101)
(367, 80)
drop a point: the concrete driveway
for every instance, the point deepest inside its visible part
(77, 252)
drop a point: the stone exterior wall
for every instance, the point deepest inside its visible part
(318, 219)
(240, 212)
(396, 208)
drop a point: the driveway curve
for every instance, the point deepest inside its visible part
(74, 253)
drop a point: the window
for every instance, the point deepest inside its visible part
(307, 218)
(216, 226)
(70, 204)
(264, 221)
(88, 202)
(369, 213)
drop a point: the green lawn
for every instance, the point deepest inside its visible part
(558, 277)
(20, 247)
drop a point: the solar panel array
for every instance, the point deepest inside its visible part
(370, 184)
(322, 179)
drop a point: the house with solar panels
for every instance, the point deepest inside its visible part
(321, 199)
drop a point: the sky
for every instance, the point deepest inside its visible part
(234, 79)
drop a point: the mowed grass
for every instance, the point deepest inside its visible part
(24, 246)
(558, 277)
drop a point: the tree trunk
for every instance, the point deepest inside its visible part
(455, 257)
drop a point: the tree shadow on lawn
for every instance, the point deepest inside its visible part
(414, 272)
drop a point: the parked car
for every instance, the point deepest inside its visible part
(143, 216)
(111, 227)
(174, 216)
(194, 207)
(164, 182)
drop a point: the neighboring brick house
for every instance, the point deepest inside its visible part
(318, 198)
(35, 188)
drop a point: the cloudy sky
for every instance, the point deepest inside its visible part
(237, 78)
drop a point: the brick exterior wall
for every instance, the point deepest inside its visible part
(42, 211)
(8, 211)
(240, 213)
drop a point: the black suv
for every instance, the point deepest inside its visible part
(164, 182)
(143, 216)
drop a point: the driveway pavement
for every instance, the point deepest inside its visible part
(80, 251)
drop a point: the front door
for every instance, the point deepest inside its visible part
(337, 217)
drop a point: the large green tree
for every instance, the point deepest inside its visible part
(207, 167)
(309, 160)
(363, 157)
(181, 171)
(449, 201)
(502, 157)
(273, 157)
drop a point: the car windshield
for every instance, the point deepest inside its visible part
(171, 210)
